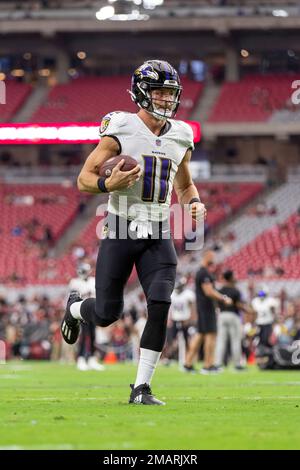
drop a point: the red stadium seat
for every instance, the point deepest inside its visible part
(253, 99)
(88, 99)
(51, 205)
(16, 94)
(21, 257)
(277, 248)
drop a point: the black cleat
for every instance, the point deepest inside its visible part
(142, 395)
(212, 370)
(240, 368)
(189, 369)
(70, 327)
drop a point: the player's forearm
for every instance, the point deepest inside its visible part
(88, 182)
(185, 196)
(215, 295)
(89, 175)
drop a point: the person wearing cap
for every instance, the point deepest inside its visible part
(229, 322)
(266, 308)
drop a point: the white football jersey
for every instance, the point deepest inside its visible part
(180, 306)
(264, 308)
(159, 158)
(86, 288)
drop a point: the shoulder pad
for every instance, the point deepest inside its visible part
(111, 123)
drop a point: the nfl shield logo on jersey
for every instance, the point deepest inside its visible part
(158, 142)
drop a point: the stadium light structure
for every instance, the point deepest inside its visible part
(280, 13)
(120, 10)
(151, 4)
(244, 53)
(144, 3)
(135, 15)
(105, 13)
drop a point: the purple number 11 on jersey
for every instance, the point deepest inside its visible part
(149, 178)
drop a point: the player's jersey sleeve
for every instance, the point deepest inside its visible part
(186, 136)
(114, 125)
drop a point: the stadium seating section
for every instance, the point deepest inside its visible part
(276, 252)
(221, 199)
(255, 98)
(16, 94)
(56, 207)
(26, 211)
(88, 99)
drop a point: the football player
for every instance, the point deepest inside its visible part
(162, 148)
(183, 300)
(84, 284)
(267, 310)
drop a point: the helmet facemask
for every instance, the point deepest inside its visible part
(167, 108)
(164, 105)
(84, 271)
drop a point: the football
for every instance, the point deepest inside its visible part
(107, 167)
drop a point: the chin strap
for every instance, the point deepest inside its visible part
(154, 112)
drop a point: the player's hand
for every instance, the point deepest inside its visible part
(122, 179)
(227, 300)
(198, 211)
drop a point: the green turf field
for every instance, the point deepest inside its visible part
(54, 406)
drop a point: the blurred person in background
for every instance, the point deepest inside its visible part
(137, 332)
(267, 310)
(183, 299)
(229, 322)
(85, 284)
(206, 296)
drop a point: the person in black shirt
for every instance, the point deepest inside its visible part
(229, 322)
(206, 294)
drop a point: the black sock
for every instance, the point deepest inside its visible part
(88, 313)
(155, 331)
